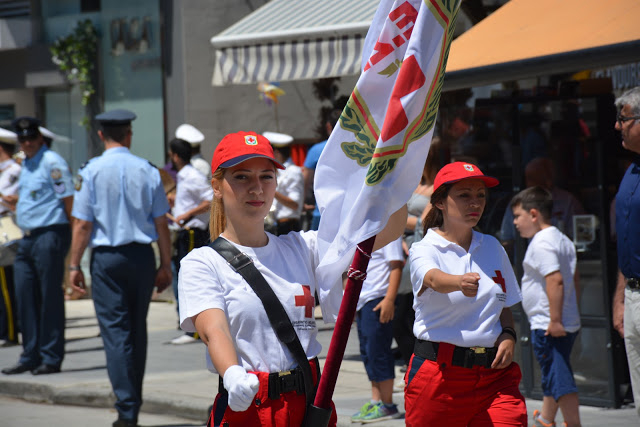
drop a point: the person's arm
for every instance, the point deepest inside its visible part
(393, 229)
(80, 235)
(555, 294)
(388, 304)
(618, 304)
(446, 283)
(506, 343)
(213, 328)
(287, 201)
(68, 205)
(164, 274)
(203, 207)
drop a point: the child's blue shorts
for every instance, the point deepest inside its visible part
(554, 357)
(375, 343)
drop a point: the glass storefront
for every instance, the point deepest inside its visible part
(567, 143)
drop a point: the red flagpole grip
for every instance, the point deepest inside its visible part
(338, 344)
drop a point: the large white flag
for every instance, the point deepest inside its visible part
(376, 153)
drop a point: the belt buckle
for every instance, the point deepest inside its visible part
(478, 350)
(284, 373)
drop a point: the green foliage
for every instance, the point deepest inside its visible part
(76, 56)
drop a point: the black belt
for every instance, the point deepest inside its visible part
(281, 382)
(633, 283)
(466, 357)
(40, 230)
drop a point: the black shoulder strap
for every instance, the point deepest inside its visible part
(278, 317)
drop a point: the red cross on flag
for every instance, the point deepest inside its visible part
(375, 155)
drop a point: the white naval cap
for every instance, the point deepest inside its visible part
(278, 139)
(190, 134)
(47, 133)
(8, 137)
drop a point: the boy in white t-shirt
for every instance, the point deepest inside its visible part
(549, 287)
(374, 318)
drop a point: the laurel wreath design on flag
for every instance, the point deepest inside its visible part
(356, 117)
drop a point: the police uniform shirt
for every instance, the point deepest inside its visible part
(290, 184)
(288, 263)
(9, 175)
(121, 194)
(453, 317)
(192, 188)
(45, 179)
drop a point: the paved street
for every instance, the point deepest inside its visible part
(177, 386)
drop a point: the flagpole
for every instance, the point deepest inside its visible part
(335, 354)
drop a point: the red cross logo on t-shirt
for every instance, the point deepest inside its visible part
(306, 300)
(500, 281)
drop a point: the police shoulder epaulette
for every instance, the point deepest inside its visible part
(152, 164)
(83, 165)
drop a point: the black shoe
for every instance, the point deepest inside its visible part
(45, 369)
(17, 369)
(121, 422)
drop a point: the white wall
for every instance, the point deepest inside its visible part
(221, 110)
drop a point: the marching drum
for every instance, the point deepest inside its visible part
(10, 234)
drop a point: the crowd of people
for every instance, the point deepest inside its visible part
(436, 284)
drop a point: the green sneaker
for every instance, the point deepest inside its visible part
(380, 412)
(363, 411)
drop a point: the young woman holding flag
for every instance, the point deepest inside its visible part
(462, 371)
(261, 381)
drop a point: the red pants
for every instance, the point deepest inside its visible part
(439, 394)
(288, 411)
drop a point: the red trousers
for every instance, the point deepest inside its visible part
(288, 411)
(439, 394)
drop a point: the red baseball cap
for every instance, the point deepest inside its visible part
(457, 171)
(237, 147)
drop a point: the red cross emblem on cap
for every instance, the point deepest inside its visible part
(250, 140)
(469, 168)
(307, 301)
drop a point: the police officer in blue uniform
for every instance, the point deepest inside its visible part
(45, 197)
(119, 210)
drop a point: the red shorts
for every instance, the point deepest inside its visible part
(287, 411)
(439, 394)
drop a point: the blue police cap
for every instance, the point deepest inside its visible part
(119, 117)
(26, 126)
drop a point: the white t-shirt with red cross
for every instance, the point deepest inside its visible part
(549, 251)
(288, 264)
(453, 317)
(378, 271)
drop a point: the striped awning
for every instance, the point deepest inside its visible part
(293, 40)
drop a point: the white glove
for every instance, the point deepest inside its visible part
(241, 386)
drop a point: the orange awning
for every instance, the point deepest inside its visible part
(529, 38)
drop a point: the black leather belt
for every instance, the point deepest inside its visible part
(282, 382)
(466, 357)
(633, 283)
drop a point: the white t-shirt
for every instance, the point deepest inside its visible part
(290, 184)
(549, 251)
(192, 188)
(9, 174)
(453, 317)
(288, 264)
(378, 271)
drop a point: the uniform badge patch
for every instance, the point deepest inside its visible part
(56, 174)
(13, 179)
(59, 187)
(250, 140)
(77, 182)
(468, 168)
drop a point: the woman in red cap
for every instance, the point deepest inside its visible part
(261, 382)
(462, 371)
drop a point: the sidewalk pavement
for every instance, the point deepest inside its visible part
(176, 380)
